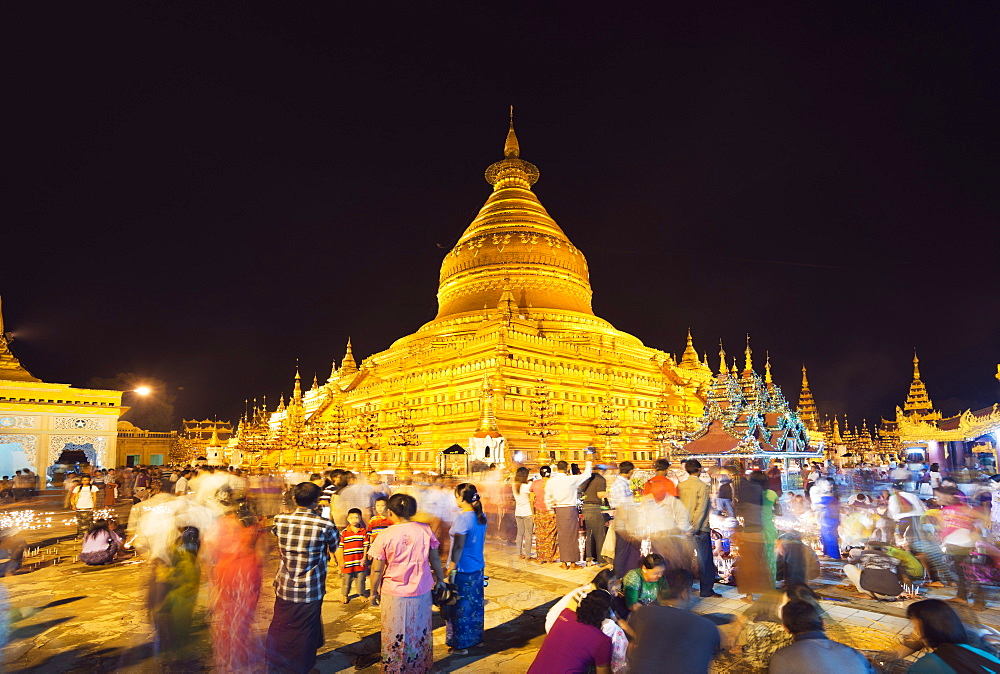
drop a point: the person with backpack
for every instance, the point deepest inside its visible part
(84, 500)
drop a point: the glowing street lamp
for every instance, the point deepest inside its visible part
(142, 390)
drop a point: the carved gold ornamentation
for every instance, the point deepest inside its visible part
(57, 443)
(29, 444)
(82, 423)
(17, 422)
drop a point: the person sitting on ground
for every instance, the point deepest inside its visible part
(938, 628)
(812, 651)
(613, 626)
(797, 505)
(101, 545)
(874, 572)
(642, 586)
(693, 640)
(604, 580)
(576, 643)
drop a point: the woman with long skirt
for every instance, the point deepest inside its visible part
(237, 559)
(768, 500)
(546, 546)
(404, 556)
(466, 618)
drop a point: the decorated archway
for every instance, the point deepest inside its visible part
(77, 454)
(93, 447)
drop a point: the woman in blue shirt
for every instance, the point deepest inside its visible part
(465, 619)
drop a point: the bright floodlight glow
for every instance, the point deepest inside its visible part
(144, 390)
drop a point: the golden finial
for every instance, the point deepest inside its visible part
(916, 366)
(297, 386)
(511, 147)
(348, 364)
(722, 359)
(767, 367)
(805, 380)
(748, 358)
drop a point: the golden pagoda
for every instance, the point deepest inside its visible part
(918, 402)
(916, 410)
(514, 322)
(807, 405)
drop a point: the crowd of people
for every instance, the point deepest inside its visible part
(654, 538)
(922, 530)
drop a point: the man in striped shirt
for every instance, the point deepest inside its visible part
(305, 541)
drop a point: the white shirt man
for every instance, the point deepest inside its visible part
(561, 489)
(561, 497)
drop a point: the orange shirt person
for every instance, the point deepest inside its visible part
(660, 485)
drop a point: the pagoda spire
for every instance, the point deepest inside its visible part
(315, 381)
(297, 386)
(348, 366)
(767, 370)
(333, 372)
(807, 405)
(723, 369)
(511, 148)
(689, 359)
(917, 401)
(748, 357)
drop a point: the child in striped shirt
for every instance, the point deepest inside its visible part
(351, 554)
(380, 521)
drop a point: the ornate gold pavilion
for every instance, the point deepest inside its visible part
(515, 358)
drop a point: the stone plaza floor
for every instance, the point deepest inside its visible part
(69, 617)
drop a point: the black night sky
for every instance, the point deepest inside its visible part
(204, 193)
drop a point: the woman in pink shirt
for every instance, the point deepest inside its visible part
(402, 583)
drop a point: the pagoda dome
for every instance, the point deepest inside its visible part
(513, 243)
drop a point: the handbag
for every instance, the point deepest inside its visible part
(444, 594)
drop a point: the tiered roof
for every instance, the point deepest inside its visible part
(807, 405)
(748, 416)
(917, 400)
